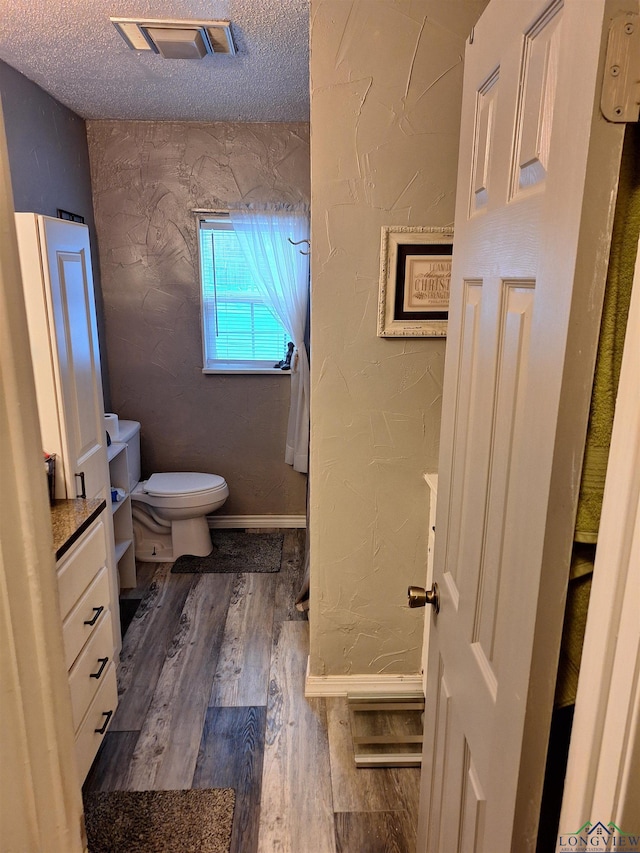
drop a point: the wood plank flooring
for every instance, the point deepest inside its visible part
(211, 687)
(231, 756)
(296, 808)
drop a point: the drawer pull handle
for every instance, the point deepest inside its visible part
(103, 662)
(96, 615)
(83, 493)
(107, 715)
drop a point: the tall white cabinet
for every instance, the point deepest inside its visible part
(58, 286)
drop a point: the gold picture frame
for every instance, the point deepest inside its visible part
(415, 276)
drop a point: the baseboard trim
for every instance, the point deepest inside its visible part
(376, 685)
(242, 521)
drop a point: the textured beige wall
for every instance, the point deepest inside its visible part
(386, 86)
(147, 178)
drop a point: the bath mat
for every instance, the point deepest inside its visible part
(236, 551)
(199, 820)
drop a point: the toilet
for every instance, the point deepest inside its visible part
(170, 510)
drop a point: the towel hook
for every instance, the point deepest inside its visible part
(308, 242)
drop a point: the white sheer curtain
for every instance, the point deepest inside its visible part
(282, 276)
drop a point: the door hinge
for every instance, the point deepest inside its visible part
(620, 100)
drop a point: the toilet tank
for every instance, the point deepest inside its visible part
(129, 434)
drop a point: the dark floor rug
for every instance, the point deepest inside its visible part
(196, 821)
(236, 551)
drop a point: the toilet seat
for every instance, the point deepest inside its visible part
(170, 514)
(169, 511)
(179, 483)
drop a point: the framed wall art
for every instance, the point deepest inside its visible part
(415, 276)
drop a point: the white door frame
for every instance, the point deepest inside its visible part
(40, 797)
(603, 773)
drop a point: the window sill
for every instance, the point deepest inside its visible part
(274, 371)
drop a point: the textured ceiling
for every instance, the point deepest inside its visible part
(73, 51)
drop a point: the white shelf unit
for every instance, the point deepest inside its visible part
(121, 511)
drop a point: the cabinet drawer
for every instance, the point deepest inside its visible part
(99, 715)
(87, 673)
(86, 617)
(81, 566)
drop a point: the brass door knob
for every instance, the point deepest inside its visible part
(418, 597)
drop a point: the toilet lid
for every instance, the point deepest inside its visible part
(182, 483)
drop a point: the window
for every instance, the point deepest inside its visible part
(239, 332)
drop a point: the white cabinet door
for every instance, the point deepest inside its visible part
(66, 247)
(58, 288)
(536, 183)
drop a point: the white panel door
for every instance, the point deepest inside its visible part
(536, 184)
(66, 245)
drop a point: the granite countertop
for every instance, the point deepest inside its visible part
(70, 518)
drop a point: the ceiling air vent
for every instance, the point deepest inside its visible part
(177, 39)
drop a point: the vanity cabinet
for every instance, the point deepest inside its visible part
(87, 631)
